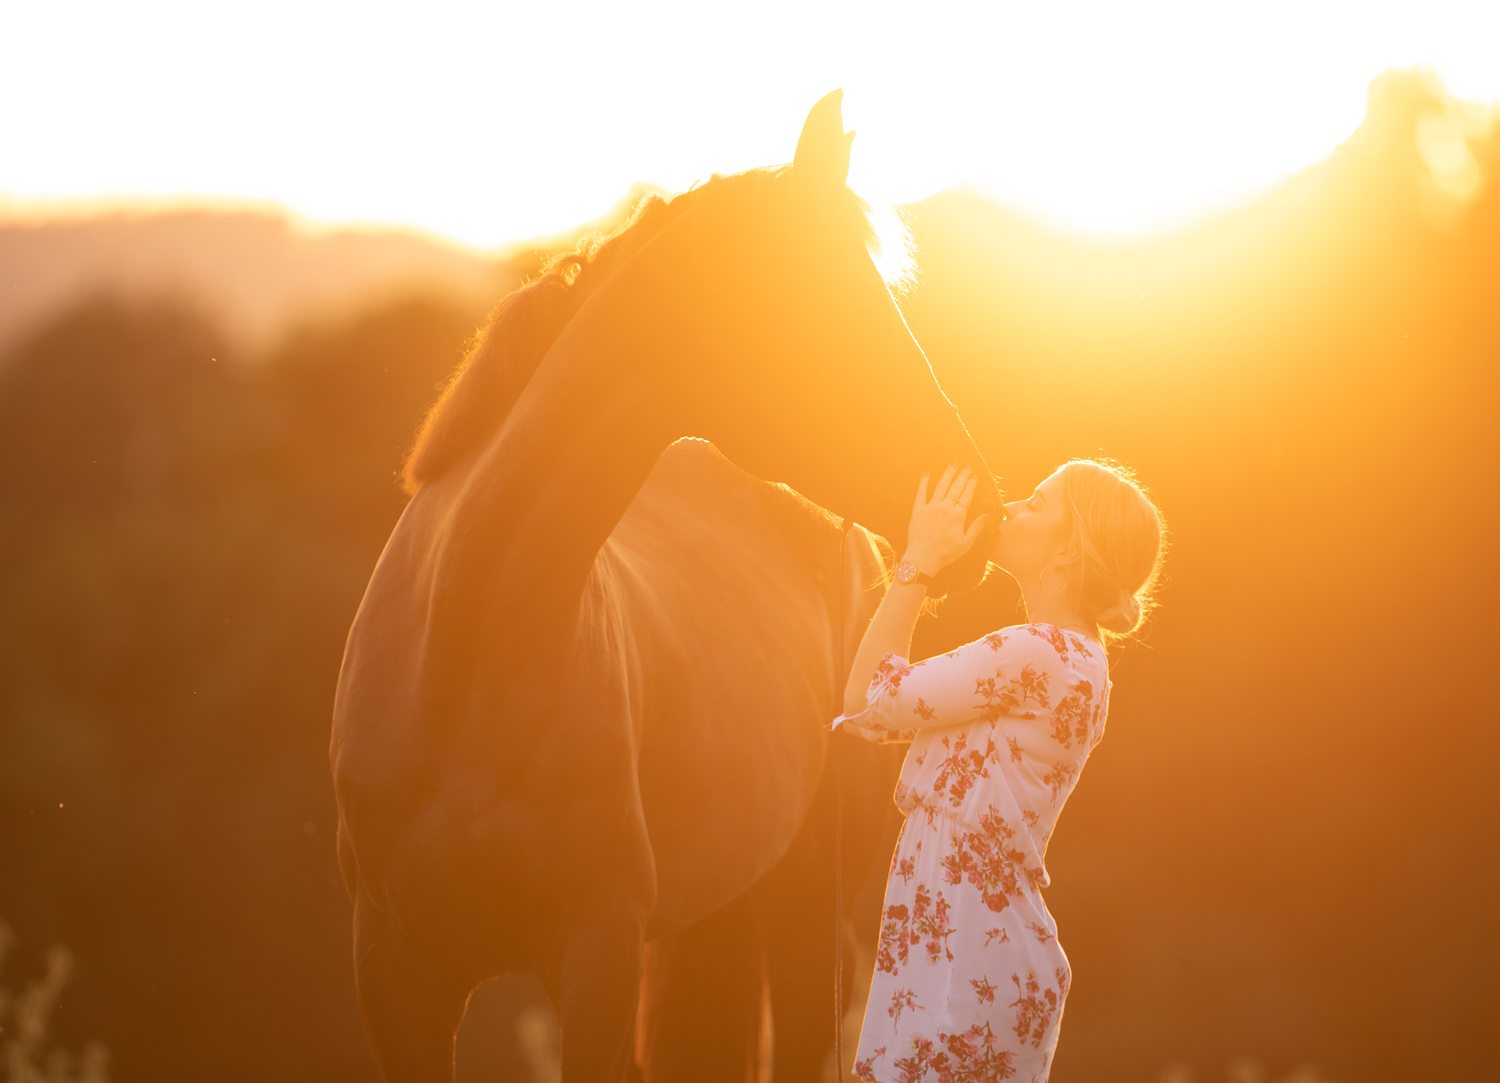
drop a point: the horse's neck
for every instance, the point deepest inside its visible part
(543, 496)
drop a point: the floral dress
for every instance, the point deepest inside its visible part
(969, 977)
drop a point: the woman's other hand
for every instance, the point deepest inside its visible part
(936, 537)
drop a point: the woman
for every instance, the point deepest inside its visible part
(969, 978)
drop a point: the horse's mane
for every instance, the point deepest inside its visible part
(519, 331)
(516, 335)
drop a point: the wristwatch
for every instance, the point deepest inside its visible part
(906, 574)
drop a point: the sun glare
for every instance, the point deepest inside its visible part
(492, 124)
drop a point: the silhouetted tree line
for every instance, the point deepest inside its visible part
(184, 536)
(1284, 848)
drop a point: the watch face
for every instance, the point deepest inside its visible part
(906, 572)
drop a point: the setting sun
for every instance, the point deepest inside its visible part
(489, 124)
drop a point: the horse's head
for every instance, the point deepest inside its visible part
(803, 369)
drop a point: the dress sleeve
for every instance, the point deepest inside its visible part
(903, 698)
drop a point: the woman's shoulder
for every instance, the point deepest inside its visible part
(1042, 643)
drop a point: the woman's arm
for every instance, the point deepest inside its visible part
(889, 632)
(934, 540)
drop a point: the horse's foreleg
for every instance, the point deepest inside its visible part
(411, 1011)
(795, 904)
(701, 1020)
(796, 913)
(596, 989)
(799, 959)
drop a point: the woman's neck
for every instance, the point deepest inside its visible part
(1057, 609)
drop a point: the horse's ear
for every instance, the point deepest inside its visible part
(823, 149)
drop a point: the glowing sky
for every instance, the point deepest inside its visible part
(494, 122)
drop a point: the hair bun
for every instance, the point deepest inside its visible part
(1122, 618)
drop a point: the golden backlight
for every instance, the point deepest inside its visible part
(490, 123)
(1280, 864)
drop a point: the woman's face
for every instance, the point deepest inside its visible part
(1036, 531)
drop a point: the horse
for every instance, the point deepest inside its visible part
(583, 703)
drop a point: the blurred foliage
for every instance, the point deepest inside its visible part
(1284, 849)
(186, 535)
(25, 1056)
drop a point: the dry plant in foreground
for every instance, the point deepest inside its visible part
(24, 1054)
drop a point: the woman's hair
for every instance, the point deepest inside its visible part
(1119, 539)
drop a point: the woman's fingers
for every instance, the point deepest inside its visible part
(957, 485)
(941, 491)
(937, 524)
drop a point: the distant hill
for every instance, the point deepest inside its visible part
(253, 273)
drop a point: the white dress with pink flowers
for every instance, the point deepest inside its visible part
(969, 977)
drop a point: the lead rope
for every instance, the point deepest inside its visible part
(838, 818)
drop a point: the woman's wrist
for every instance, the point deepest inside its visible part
(925, 562)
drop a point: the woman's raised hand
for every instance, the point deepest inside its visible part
(936, 537)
